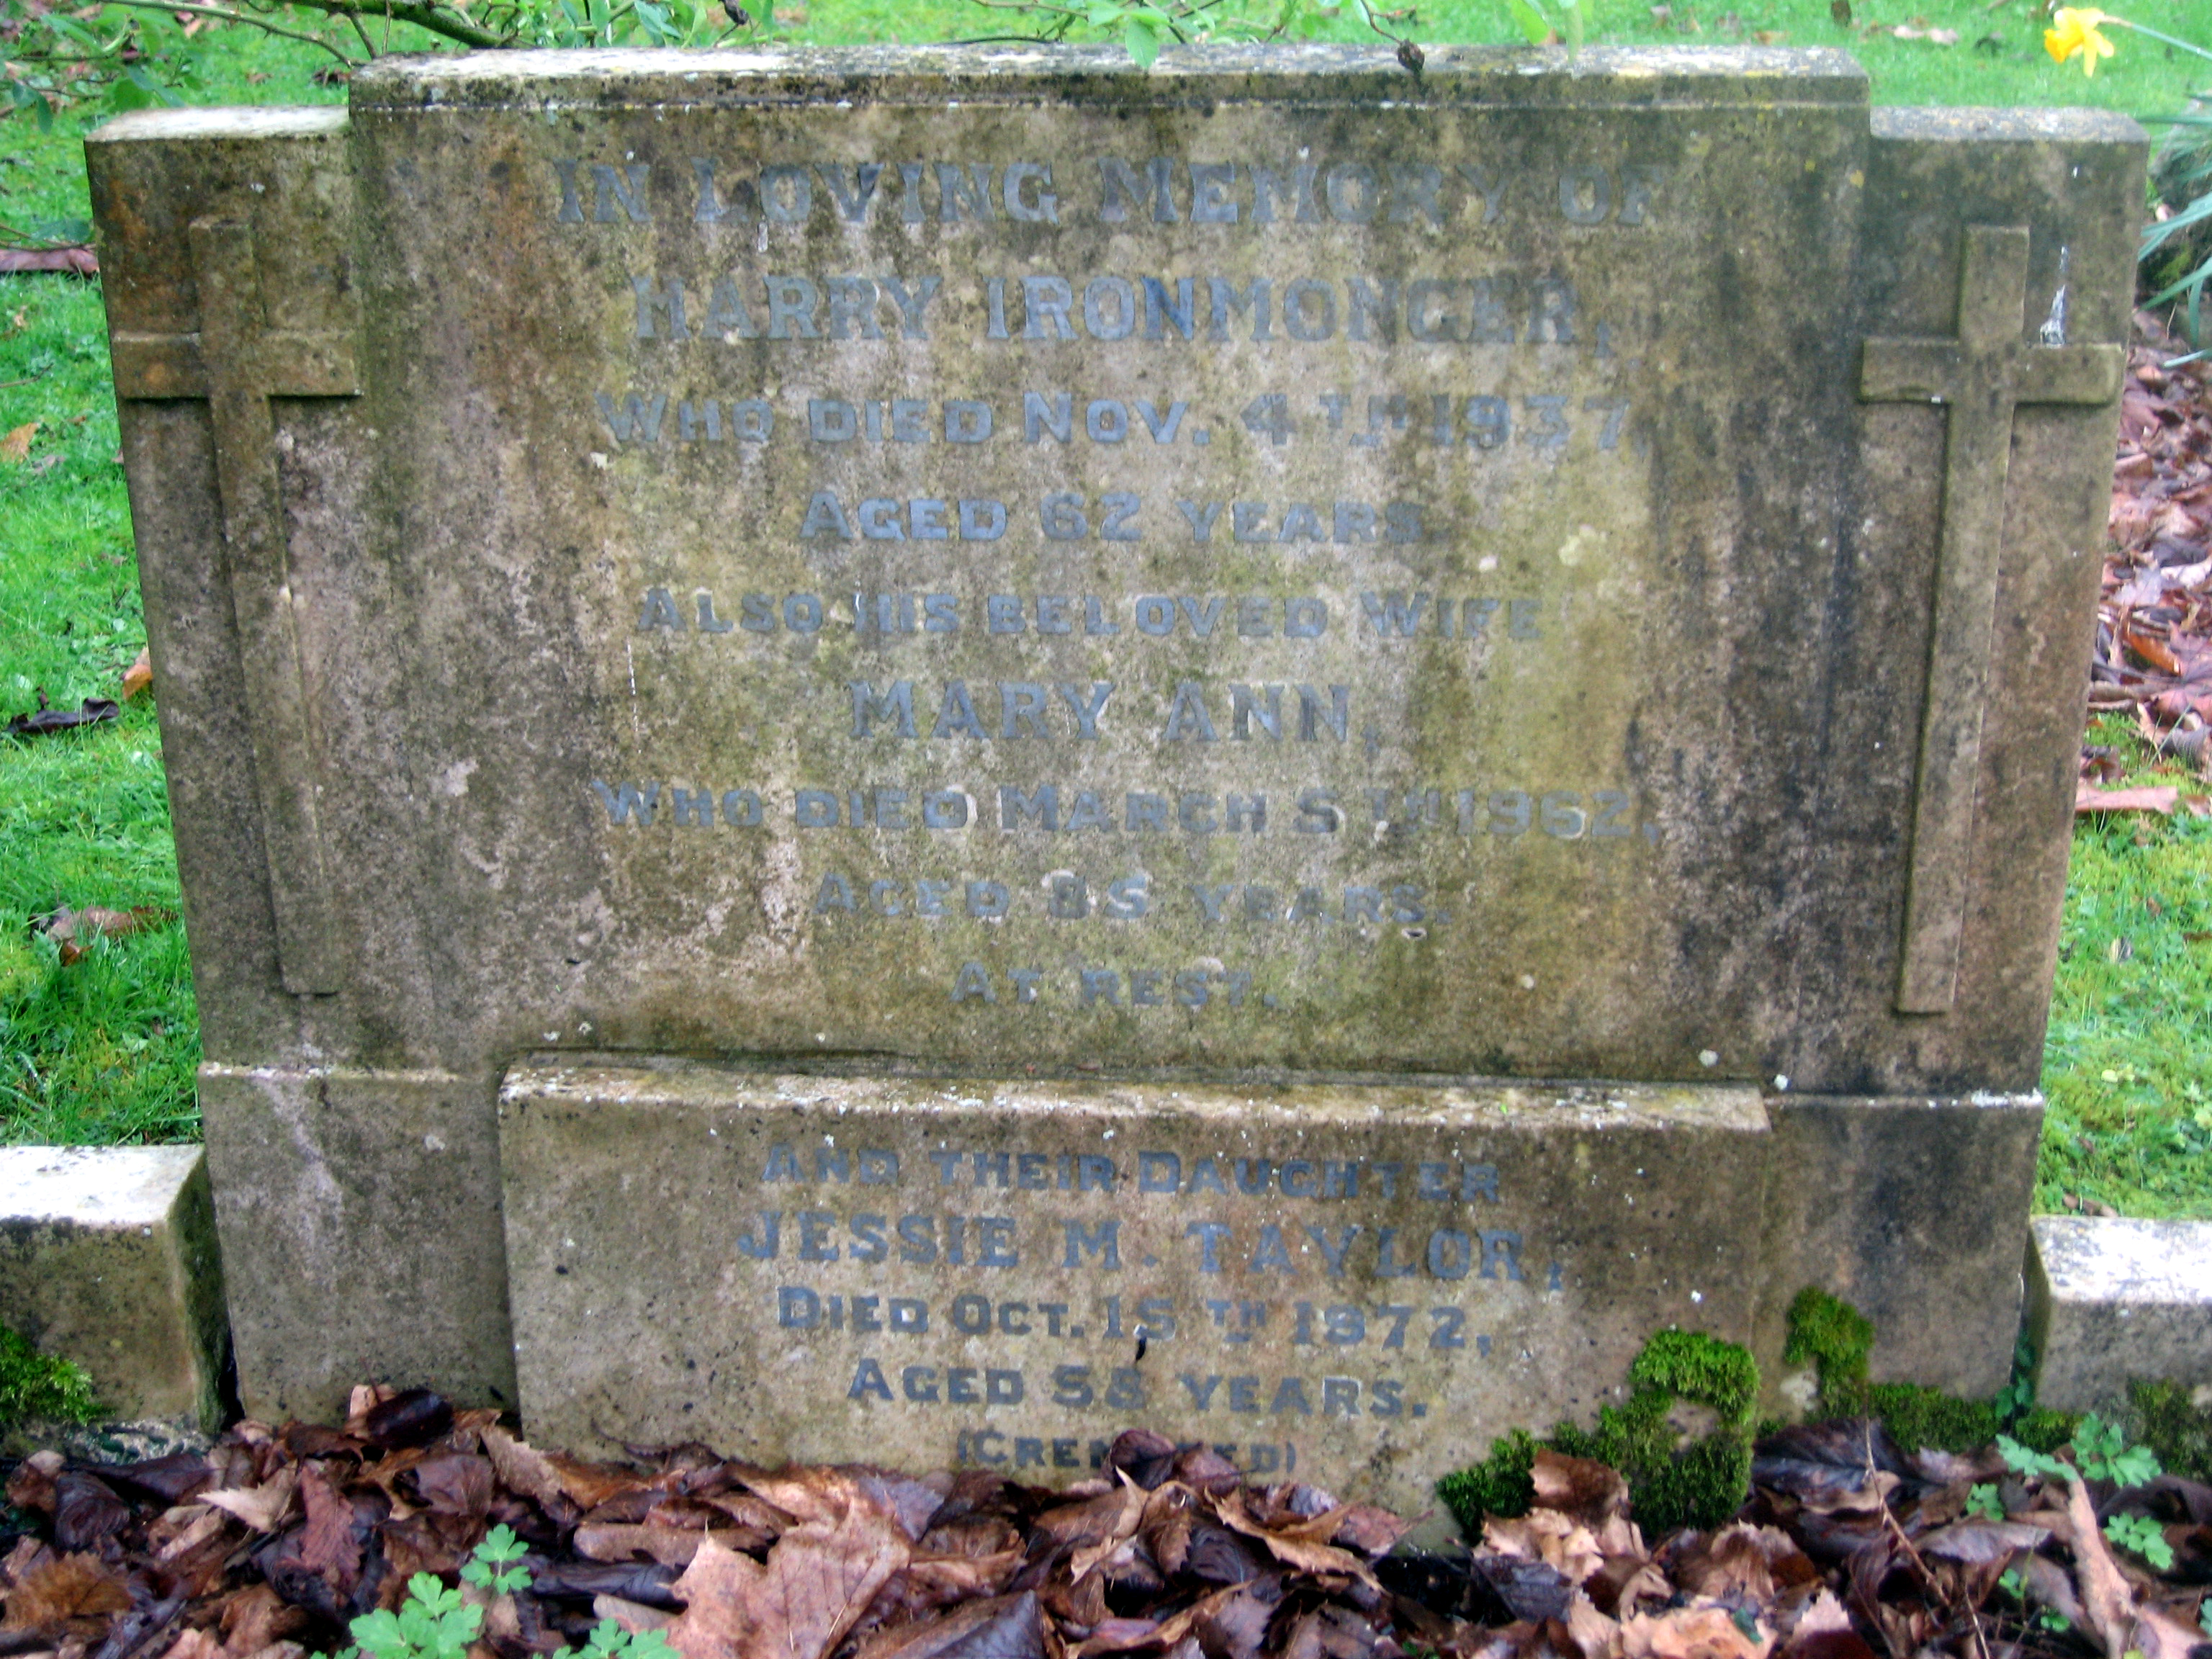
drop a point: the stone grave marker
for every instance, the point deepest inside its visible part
(912, 753)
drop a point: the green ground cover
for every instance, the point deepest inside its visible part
(2128, 1063)
(103, 1049)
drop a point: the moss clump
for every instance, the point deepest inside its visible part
(2161, 1416)
(1836, 1339)
(1689, 1365)
(1917, 1417)
(1499, 1485)
(35, 1389)
(2040, 1429)
(1669, 1485)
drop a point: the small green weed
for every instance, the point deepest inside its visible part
(1983, 1501)
(2049, 1618)
(434, 1622)
(494, 1564)
(2026, 1460)
(2144, 1537)
(2103, 1451)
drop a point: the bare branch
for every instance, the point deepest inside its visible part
(225, 15)
(1032, 5)
(424, 13)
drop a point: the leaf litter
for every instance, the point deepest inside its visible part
(268, 1545)
(2154, 647)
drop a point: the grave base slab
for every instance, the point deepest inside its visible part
(1360, 1283)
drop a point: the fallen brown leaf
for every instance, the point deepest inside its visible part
(2158, 1635)
(1558, 1541)
(1979, 1541)
(2154, 797)
(818, 1579)
(1008, 1627)
(1594, 1634)
(207, 1524)
(633, 1616)
(1121, 1525)
(669, 1546)
(1290, 1549)
(1691, 1633)
(75, 261)
(264, 1508)
(2149, 650)
(2108, 1603)
(67, 1587)
(196, 1644)
(523, 1467)
(72, 930)
(16, 446)
(328, 1545)
(86, 1510)
(1583, 1487)
(93, 711)
(256, 1618)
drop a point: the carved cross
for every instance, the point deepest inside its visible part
(1979, 378)
(238, 363)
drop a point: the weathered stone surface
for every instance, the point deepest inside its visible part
(2111, 1301)
(1915, 1211)
(1360, 1284)
(399, 1201)
(538, 666)
(108, 1257)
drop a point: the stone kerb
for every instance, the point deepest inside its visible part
(2113, 1301)
(108, 1258)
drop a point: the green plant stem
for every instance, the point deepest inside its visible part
(2168, 40)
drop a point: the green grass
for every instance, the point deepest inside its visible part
(103, 1050)
(2128, 1065)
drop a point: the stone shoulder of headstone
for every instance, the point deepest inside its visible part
(1309, 72)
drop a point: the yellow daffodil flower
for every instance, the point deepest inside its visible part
(2075, 29)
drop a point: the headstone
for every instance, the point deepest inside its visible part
(790, 678)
